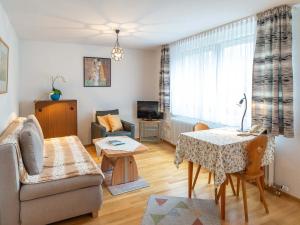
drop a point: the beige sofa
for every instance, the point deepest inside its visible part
(42, 202)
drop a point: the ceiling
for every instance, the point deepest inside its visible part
(143, 23)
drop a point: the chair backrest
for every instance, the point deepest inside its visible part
(256, 149)
(106, 112)
(200, 126)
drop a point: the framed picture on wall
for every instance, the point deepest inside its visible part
(97, 72)
(4, 50)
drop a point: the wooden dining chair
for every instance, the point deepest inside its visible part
(198, 127)
(253, 171)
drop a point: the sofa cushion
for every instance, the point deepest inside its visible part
(37, 124)
(34, 191)
(31, 149)
(64, 157)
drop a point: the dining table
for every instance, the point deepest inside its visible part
(221, 151)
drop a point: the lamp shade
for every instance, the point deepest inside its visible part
(117, 52)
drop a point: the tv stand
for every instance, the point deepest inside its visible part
(149, 130)
(150, 119)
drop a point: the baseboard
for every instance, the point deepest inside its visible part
(273, 190)
(163, 140)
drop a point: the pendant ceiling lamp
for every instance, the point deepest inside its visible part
(117, 52)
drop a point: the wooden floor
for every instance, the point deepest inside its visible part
(157, 167)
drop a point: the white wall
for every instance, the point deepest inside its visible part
(9, 106)
(134, 78)
(287, 157)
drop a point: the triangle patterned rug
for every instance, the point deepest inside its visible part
(167, 210)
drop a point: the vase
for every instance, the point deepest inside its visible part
(55, 97)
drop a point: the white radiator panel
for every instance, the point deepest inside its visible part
(173, 127)
(269, 174)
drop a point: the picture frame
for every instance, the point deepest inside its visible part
(4, 58)
(96, 72)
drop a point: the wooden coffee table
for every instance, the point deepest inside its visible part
(122, 163)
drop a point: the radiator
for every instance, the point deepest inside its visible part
(173, 126)
(269, 174)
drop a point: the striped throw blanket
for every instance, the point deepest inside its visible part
(64, 157)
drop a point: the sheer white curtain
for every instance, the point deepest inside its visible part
(209, 73)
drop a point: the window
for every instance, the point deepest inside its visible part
(210, 72)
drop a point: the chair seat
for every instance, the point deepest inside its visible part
(245, 176)
(119, 133)
(34, 191)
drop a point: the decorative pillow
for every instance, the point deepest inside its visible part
(103, 120)
(31, 149)
(32, 123)
(37, 124)
(115, 123)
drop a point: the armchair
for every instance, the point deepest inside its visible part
(99, 131)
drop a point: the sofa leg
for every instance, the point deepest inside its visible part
(95, 214)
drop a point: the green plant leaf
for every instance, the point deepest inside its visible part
(56, 91)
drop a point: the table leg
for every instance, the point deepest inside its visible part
(190, 178)
(216, 196)
(124, 171)
(106, 164)
(223, 199)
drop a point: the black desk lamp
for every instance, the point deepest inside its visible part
(240, 104)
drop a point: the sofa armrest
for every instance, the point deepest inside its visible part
(98, 131)
(129, 127)
(9, 185)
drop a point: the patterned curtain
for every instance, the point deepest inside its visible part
(164, 80)
(272, 91)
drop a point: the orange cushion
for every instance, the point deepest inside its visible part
(103, 120)
(115, 122)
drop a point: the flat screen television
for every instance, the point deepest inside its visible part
(148, 110)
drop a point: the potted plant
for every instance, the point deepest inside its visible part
(55, 94)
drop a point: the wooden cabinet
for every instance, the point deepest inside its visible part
(57, 118)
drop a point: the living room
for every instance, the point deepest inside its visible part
(80, 75)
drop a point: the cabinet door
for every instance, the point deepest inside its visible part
(57, 119)
(71, 120)
(43, 116)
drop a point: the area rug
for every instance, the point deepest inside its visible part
(166, 210)
(124, 188)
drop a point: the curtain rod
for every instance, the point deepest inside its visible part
(243, 18)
